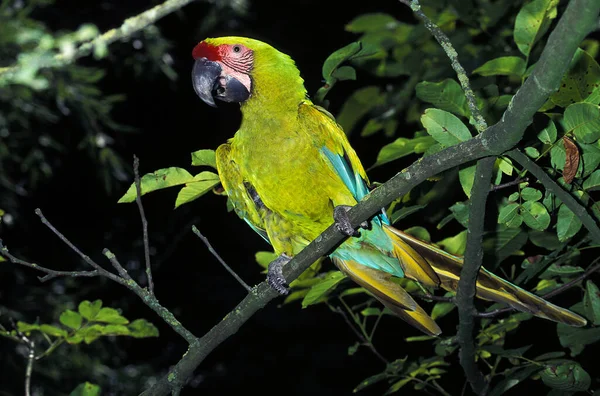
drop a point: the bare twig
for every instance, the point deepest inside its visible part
(223, 263)
(50, 273)
(138, 200)
(30, 359)
(359, 335)
(520, 180)
(129, 26)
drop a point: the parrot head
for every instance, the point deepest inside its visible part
(234, 69)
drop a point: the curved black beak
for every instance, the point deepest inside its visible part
(209, 83)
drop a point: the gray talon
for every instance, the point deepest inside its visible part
(342, 222)
(275, 274)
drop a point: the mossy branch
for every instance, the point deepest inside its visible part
(127, 28)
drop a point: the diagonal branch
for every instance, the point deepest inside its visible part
(138, 201)
(129, 26)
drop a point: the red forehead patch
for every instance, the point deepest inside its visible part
(204, 50)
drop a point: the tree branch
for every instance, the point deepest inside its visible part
(138, 201)
(578, 209)
(465, 293)
(127, 28)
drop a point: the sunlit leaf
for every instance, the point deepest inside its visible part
(86, 389)
(88, 309)
(531, 194)
(162, 178)
(110, 315)
(320, 290)
(71, 319)
(535, 215)
(532, 22)
(455, 245)
(503, 66)
(201, 184)
(141, 328)
(567, 224)
(466, 176)
(402, 147)
(445, 95)
(53, 330)
(580, 82)
(548, 134)
(583, 119)
(445, 127)
(204, 158)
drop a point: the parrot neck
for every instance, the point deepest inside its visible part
(277, 88)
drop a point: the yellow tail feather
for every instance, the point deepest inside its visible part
(489, 286)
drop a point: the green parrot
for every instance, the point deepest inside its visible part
(290, 173)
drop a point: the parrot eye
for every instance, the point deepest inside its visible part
(237, 48)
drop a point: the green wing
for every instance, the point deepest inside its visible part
(242, 195)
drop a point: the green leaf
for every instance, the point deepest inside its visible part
(460, 211)
(86, 389)
(320, 290)
(445, 127)
(116, 330)
(508, 213)
(53, 330)
(513, 377)
(591, 302)
(590, 158)
(566, 376)
(584, 120)
(162, 178)
(370, 381)
(548, 134)
(204, 158)
(71, 319)
(202, 183)
(581, 81)
(503, 66)
(419, 232)
(396, 386)
(544, 239)
(27, 327)
(535, 215)
(371, 22)
(531, 194)
(441, 309)
(402, 147)
(89, 310)
(508, 241)
(592, 183)
(532, 22)
(110, 315)
(456, 244)
(359, 104)
(446, 95)
(405, 212)
(567, 224)
(576, 338)
(371, 311)
(264, 258)
(343, 73)
(466, 176)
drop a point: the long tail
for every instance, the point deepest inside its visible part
(489, 286)
(431, 266)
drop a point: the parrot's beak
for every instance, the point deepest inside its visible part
(209, 83)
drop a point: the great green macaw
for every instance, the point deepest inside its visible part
(290, 172)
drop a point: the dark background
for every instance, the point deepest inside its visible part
(282, 349)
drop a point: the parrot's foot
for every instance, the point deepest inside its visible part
(342, 222)
(275, 274)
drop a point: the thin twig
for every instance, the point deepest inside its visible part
(479, 122)
(223, 263)
(129, 27)
(50, 273)
(431, 297)
(138, 200)
(116, 265)
(520, 180)
(593, 268)
(30, 360)
(361, 337)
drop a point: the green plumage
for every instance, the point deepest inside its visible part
(290, 164)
